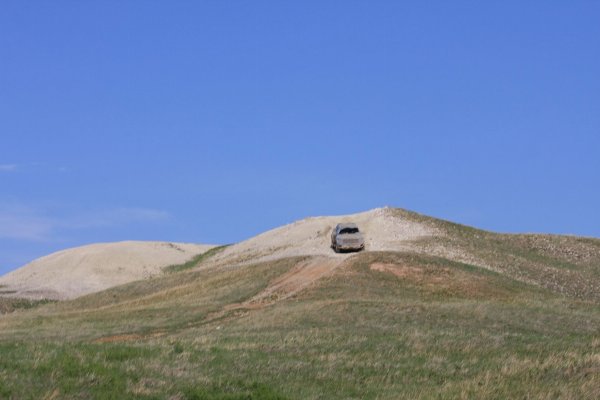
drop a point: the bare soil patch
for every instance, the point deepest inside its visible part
(71, 273)
(442, 280)
(382, 228)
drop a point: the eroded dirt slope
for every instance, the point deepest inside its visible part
(75, 272)
(383, 228)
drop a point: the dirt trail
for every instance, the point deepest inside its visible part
(295, 280)
(128, 337)
(285, 286)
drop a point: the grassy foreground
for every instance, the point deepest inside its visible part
(383, 326)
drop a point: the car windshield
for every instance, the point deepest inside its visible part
(348, 230)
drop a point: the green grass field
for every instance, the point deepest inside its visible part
(384, 325)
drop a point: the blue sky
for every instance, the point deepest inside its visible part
(214, 121)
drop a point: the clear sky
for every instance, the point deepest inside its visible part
(212, 121)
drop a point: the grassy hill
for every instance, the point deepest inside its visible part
(467, 314)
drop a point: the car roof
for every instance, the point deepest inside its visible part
(347, 225)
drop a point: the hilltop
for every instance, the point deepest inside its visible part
(430, 309)
(87, 269)
(566, 264)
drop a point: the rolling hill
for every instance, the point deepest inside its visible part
(431, 309)
(87, 269)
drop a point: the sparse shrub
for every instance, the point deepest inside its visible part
(177, 348)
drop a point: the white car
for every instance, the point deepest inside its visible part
(347, 237)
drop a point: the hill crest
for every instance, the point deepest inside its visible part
(70, 273)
